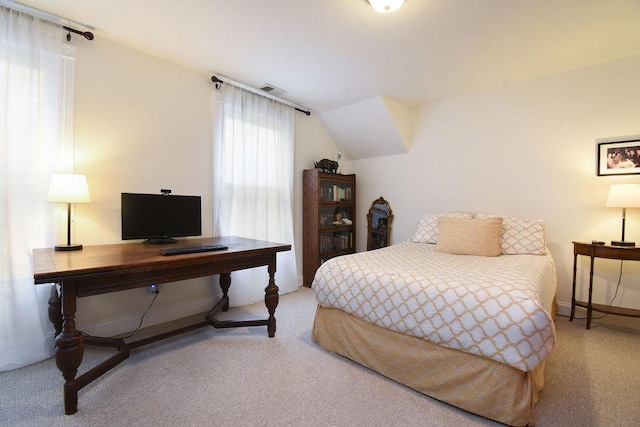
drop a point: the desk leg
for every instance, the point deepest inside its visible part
(589, 306)
(55, 310)
(225, 283)
(271, 298)
(69, 348)
(573, 291)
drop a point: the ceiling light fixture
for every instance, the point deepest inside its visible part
(385, 6)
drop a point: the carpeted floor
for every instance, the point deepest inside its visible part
(240, 377)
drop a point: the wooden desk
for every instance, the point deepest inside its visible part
(110, 268)
(622, 253)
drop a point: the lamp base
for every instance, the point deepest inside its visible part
(622, 243)
(71, 247)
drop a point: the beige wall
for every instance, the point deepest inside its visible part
(143, 124)
(525, 150)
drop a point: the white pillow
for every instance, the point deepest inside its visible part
(520, 236)
(428, 228)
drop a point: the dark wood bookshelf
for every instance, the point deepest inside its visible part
(329, 225)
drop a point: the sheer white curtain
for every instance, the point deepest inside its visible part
(253, 183)
(36, 126)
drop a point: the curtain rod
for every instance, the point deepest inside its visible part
(222, 79)
(65, 23)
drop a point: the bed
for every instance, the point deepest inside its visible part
(462, 312)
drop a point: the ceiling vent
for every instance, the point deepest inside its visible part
(272, 90)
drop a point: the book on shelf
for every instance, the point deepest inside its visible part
(335, 193)
(339, 242)
(342, 194)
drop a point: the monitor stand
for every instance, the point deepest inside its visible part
(161, 241)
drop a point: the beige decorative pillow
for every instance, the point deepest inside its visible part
(427, 229)
(520, 236)
(469, 236)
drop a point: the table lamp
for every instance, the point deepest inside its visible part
(68, 188)
(623, 196)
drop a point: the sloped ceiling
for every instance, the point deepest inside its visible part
(371, 128)
(330, 54)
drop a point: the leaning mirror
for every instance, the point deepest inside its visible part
(379, 221)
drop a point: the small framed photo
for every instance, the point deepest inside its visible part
(618, 158)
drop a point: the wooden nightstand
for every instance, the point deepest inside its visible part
(623, 253)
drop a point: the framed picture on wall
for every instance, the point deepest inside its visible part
(618, 158)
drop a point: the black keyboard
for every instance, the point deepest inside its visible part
(192, 249)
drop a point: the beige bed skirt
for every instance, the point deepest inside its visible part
(473, 383)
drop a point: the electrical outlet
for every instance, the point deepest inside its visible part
(153, 289)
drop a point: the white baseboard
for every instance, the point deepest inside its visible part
(564, 308)
(115, 326)
(124, 324)
(623, 323)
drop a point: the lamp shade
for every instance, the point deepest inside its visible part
(68, 188)
(624, 196)
(385, 6)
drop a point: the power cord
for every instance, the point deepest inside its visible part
(618, 285)
(615, 295)
(142, 319)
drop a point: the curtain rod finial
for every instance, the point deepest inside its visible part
(86, 34)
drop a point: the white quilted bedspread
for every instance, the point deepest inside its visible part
(495, 307)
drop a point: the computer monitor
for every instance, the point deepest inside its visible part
(160, 218)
